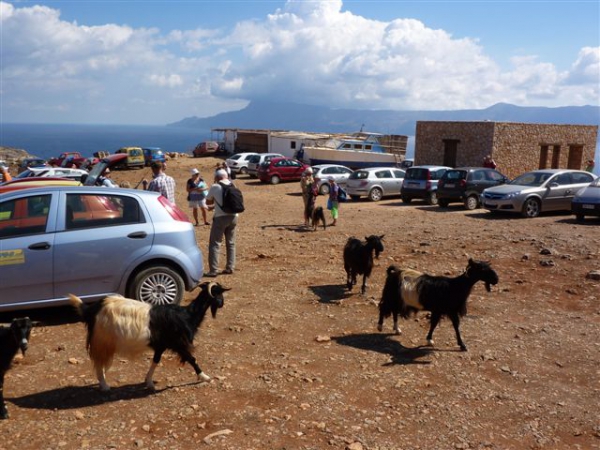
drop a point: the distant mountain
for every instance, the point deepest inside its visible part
(291, 116)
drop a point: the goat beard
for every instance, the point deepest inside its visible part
(488, 287)
(213, 310)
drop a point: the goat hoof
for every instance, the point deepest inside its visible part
(203, 377)
(463, 348)
(4, 416)
(397, 331)
(379, 328)
(430, 342)
(104, 388)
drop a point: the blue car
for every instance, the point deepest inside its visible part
(93, 242)
(152, 154)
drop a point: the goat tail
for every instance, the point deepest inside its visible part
(76, 303)
(391, 301)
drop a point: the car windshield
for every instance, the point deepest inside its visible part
(454, 175)
(531, 179)
(254, 159)
(595, 183)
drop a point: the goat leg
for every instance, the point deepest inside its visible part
(155, 362)
(396, 327)
(189, 358)
(435, 319)
(363, 289)
(456, 323)
(3, 410)
(100, 374)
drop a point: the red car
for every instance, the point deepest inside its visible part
(281, 169)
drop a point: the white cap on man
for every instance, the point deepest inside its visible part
(221, 174)
(195, 171)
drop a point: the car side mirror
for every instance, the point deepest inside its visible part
(554, 184)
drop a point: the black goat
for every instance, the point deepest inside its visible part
(358, 259)
(408, 291)
(318, 215)
(121, 325)
(12, 339)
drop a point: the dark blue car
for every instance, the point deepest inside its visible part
(152, 154)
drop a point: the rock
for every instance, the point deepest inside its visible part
(593, 275)
(225, 432)
(323, 338)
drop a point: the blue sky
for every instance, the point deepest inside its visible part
(156, 62)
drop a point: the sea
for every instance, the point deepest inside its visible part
(49, 140)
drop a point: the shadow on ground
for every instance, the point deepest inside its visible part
(386, 344)
(330, 293)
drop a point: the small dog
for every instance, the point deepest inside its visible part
(316, 216)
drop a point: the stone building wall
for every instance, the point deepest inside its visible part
(516, 147)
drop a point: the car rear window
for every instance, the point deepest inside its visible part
(455, 175)
(254, 159)
(417, 174)
(359, 175)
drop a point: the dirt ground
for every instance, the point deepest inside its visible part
(296, 359)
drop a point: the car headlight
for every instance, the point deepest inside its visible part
(512, 195)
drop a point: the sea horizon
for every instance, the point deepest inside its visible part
(48, 140)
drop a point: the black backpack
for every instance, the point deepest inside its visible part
(233, 200)
(342, 195)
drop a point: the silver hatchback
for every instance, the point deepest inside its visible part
(537, 191)
(375, 183)
(94, 242)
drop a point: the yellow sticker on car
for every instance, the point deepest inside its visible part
(10, 257)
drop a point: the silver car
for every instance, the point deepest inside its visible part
(94, 242)
(259, 159)
(375, 183)
(238, 163)
(537, 191)
(322, 172)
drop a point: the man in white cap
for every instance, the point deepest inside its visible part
(223, 224)
(197, 191)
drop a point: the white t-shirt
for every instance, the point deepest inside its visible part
(216, 193)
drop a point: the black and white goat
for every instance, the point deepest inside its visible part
(358, 259)
(407, 291)
(12, 339)
(129, 327)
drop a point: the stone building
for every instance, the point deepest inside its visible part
(516, 147)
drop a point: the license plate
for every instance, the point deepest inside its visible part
(450, 185)
(587, 206)
(413, 184)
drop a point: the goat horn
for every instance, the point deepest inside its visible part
(211, 285)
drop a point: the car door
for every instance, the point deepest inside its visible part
(386, 180)
(27, 235)
(557, 196)
(103, 235)
(398, 179)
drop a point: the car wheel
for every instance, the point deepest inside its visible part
(324, 189)
(275, 179)
(443, 203)
(471, 202)
(432, 198)
(579, 217)
(244, 170)
(531, 208)
(406, 199)
(376, 194)
(355, 197)
(158, 285)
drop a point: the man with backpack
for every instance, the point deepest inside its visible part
(227, 202)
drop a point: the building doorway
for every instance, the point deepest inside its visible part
(575, 157)
(450, 152)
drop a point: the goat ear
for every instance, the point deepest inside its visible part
(382, 236)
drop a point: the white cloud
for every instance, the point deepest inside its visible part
(307, 51)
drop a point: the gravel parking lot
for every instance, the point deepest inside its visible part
(297, 361)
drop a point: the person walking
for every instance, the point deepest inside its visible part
(223, 225)
(306, 184)
(197, 191)
(161, 182)
(590, 166)
(333, 203)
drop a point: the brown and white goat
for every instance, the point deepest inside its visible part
(129, 327)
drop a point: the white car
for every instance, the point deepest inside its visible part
(57, 172)
(238, 163)
(322, 172)
(257, 160)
